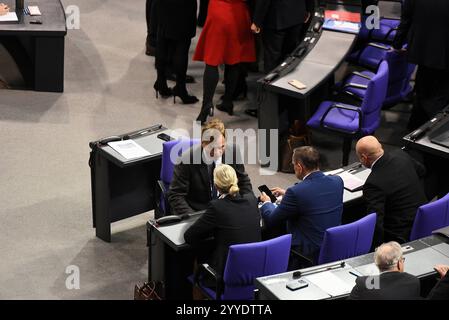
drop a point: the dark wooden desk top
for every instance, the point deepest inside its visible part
(53, 20)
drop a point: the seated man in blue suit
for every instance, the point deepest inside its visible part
(309, 207)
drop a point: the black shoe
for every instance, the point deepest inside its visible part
(204, 113)
(184, 95)
(162, 89)
(226, 106)
(251, 112)
(172, 77)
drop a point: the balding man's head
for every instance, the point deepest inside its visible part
(388, 257)
(368, 150)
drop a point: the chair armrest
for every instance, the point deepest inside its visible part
(205, 268)
(355, 85)
(390, 32)
(343, 107)
(361, 75)
(379, 46)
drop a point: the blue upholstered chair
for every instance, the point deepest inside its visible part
(245, 263)
(351, 121)
(168, 164)
(399, 75)
(349, 240)
(430, 217)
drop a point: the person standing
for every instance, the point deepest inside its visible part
(225, 39)
(176, 28)
(424, 25)
(281, 23)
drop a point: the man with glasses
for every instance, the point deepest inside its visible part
(392, 283)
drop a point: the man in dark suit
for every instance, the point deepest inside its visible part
(192, 186)
(441, 289)
(392, 283)
(424, 24)
(392, 190)
(309, 207)
(281, 23)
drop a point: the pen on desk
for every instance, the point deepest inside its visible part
(354, 274)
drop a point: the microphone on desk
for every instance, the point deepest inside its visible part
(418, 133)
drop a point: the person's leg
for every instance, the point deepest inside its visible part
(163, 45)
(180, 64)
(291, 39)
(272, 44)
(202, 14)
(423, 86)
(152, 22)
(210, 81)
(232, 78)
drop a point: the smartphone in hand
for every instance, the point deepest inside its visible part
(264, 188)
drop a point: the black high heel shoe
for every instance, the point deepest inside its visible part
(226, 106)
(183, 94)
(163, 90)
(204, 113)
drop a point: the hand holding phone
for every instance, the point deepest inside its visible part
(264, 188)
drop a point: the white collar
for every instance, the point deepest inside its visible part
(374, 162)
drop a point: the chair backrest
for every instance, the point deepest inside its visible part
(169, 161)
(248, 261)
(390, 9)
(399, 73)
(374, 99)
(348, 240)
(430, 217)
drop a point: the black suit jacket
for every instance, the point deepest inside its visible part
(425, 25)
(441, 289)
(394, 192)
(190, 187)
(177, 18)
(231, 220)
(281, 14)
(391, 286)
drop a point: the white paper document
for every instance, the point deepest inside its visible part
(330, 283)
(129, 149)
(350, 181)
(10, 16)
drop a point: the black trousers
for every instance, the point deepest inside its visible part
(278, 44)
(172, 53)
(432, 95)
(152, 21)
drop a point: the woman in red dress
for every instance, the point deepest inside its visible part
(226, 39)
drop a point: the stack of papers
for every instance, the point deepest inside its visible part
(351, 182)
(10, 16)
(129, 149)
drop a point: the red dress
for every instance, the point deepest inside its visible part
(226, 37)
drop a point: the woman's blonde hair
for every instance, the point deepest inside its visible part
(226, 180)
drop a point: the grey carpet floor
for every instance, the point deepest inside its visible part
(45, 202)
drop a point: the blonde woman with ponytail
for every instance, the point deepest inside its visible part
(230, 219)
